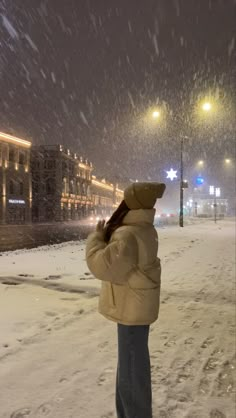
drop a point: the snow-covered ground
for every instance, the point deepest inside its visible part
(58, 355)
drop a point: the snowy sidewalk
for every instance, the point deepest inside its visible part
(58, 356)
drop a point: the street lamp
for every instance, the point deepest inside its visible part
(155, 114)
(228, 161)
(207, 106)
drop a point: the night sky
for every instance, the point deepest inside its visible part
(85, 73)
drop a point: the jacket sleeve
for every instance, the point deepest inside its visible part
(113, 261)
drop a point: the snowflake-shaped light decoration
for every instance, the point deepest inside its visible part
(171, 174)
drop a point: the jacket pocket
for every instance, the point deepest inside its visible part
(107, 296)
(147, 280)
(112, 295)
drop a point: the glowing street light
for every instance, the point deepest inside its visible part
(155, 114)
(228, 161)
(206, 106)
(201, 162)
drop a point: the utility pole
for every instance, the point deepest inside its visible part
(181, 211)
(216, 192)
(215, 207)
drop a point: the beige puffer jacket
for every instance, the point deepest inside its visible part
(129, 269)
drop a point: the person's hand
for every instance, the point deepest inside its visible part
(101, 226)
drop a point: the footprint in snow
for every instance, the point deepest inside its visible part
(189, 341)
(215, 413)
(49, 313)
(185, 372)
(170, 343)
(163, 414)
(53, 277)
(25, 275)
(43, 410)
(225, 382)
(108, 415)
(196, 324)
(21, 413)
(211, 364)
(204, 386)
(105, 377)
(207, 342)
(103, 345)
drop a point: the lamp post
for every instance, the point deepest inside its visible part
(215, 191)
(206, 108)
(181, 210)
(183, 183)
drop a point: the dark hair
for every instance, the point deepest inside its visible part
(116, 220)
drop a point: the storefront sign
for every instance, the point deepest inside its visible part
(17, 202)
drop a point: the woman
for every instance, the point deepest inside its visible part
(123, 254)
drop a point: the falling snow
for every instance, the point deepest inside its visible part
(43, 73)
(83, 118)
(31, 43)
(231, 47)
(107, 67)
(156, 44)
(9, 27)
(53, 77)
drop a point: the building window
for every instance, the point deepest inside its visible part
(84, 189)
(12, 155)
(36, 164)
(64, 167)
(35, 186)
(71, 185)
(11, 187)
(64, 185)
(49, 164)
(50, 186)
(21, 188)
(78, 189)
(21, 158)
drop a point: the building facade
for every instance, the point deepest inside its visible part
(61, 184)
(64, 189)
(208, 207)
(15, 180)
(105, 197)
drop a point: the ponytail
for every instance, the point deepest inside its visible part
(116, 220)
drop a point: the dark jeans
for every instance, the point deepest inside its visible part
(133, 382)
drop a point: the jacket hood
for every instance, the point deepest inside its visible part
(139, 216)
(143, 195)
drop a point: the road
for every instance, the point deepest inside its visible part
(14, 237)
